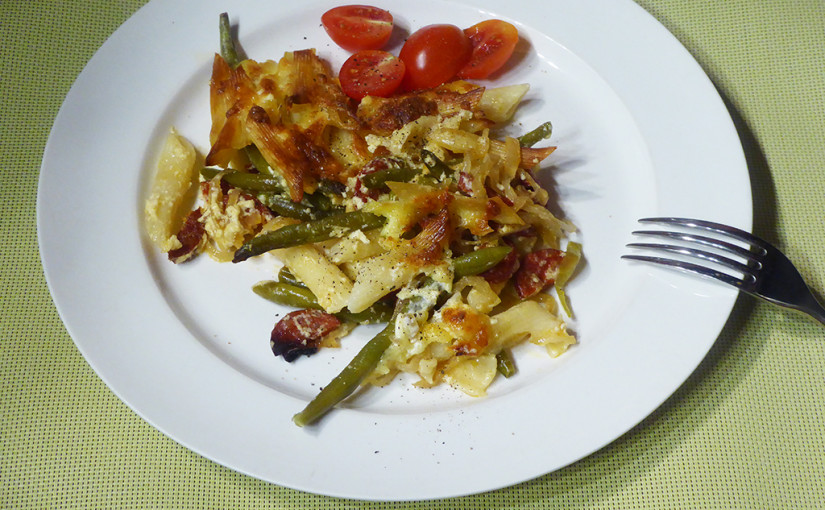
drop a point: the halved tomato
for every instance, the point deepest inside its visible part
(358, 27)
(433, 55)
(493, 43)
(371, 73)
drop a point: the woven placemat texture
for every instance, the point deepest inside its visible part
(747, 430)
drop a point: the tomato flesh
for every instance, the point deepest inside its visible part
(433, 55)
(371, 73)
(358, 27)
(493, 43)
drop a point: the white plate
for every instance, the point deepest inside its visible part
(641, 131)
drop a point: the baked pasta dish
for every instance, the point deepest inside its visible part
(407, 211)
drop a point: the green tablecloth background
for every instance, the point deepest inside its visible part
(747, 430)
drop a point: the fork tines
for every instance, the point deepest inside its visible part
(763, 270)
(738, 271)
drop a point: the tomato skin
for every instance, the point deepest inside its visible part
(371, 73)
(504, 270)
(538, 270)
(493, 43)
(433, 55)
(300, 332)
(358, 27)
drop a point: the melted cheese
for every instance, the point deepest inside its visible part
(410, 139)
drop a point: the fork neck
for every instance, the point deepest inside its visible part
(813, 308)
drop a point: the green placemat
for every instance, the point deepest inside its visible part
(745, 431)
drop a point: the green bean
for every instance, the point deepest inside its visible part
(286, 294)
(379, 312)
(361, 366)
(566, 270)
(312, 207)
(437, 168)
(298, 296)
(345, 383)
(258, 161)
(336, 225)
(329, 188)
(505, 364)
(228, 50)
(396, 171)
(286, 276)
(533, 137)
(478, 261)
(209, 172)
(246, 181)
(283, 206)
(322, 203)
(269, 192)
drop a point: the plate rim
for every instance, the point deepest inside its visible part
(51, 265)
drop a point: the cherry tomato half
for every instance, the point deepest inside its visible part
(358, 27)
(433, 55)
(371, 73)
(493, 43)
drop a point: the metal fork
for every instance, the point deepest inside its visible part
(758, 268)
